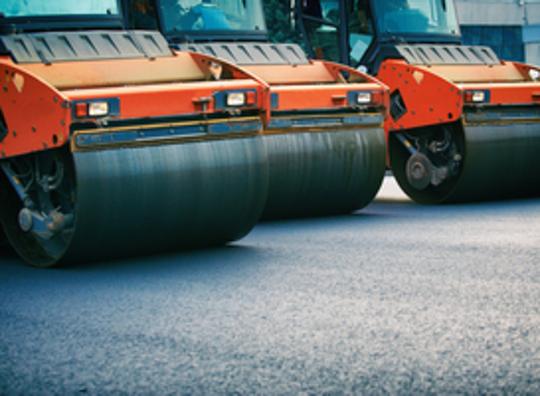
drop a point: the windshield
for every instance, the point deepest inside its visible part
(212, 15)
(416, 16)
(29, 8)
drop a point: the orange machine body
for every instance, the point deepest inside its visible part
(50, 92)
(435, 94)
(319, 85)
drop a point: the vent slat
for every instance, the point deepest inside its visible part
(84, 46)
(448, 55)
(252, 53)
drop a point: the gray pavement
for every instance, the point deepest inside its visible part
(397, 299)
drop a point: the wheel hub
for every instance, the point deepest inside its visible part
(419, 171)
(25, 219)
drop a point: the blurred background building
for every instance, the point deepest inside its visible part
(510, 27)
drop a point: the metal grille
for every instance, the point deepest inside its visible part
(51, 47)
(448, 55)
(252, 53)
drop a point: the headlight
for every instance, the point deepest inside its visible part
(478, 96)
(98, 109)
(534, 74)
(474, 96)
(236, 99)
(364, 98)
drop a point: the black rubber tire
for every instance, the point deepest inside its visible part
(324, 173)
(5, 247)
(501, 161)
(3, 239)
(137, 201)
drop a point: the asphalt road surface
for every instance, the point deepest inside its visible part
(398, 298)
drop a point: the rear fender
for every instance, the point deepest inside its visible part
(426, 98)
(36, 114)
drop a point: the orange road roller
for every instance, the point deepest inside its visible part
(464, 125)
(112, 145)
(325, 131)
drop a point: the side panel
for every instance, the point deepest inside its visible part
(320, 97)
(170, 99)
(508, 94)
(36, 114)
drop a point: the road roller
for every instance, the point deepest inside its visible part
(325, 131)
(112, 145)
(464, 125)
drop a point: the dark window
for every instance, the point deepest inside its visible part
(142, 14)
(506, 41)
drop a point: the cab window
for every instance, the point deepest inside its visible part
(361, 30)
(142, 15)
(322, 27)
(37, 8)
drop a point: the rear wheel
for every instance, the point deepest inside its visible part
(38, 208)
(3, 241)
(428, 162)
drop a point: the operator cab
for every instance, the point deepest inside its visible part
(360, 32)
(200, 20)
(234, 30)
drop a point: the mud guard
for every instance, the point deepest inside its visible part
(24, 94)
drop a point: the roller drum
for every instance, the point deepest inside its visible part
(501, 161)
(132, 201)
(324, 173)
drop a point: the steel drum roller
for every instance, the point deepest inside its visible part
(499, 161)
(323, 173)
(155, 198)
